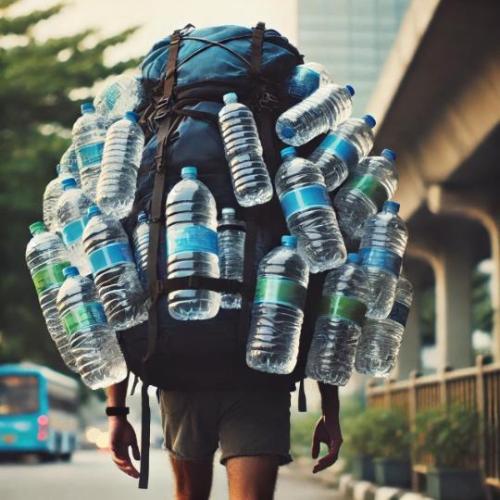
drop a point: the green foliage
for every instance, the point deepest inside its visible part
(301, 431)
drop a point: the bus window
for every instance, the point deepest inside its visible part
(18, 394)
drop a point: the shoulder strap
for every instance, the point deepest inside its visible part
(257, 41)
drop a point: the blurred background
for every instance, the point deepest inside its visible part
(429, 71)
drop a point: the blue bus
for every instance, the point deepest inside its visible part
(38, 411)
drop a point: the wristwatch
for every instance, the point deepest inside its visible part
(117, 411)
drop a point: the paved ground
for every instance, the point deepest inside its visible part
(92, 476)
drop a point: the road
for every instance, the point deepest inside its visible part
(92, 476)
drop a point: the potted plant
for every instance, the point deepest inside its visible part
(451, 438)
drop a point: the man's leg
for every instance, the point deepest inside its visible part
(193, 479)
(252, 478)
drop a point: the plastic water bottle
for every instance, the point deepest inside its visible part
(231, 234)
(249, 175)
(113, 268)
(89, 134)
(306, 78)
(46, 258)
(372, 182)
(69, 163)
(315, 115)
(71, 219)
(94, 345)
(277, 313)
(192, 248)
(342, 149)
(140, 240)
(380, 341)
(122, 94)
(338, 327)
(120, 163)
(308, 212)
(382, 247)
(53, 191)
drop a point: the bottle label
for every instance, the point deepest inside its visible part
(193, 238)
(279, 290)
(399, 313)
(72, 232)
(304, 198)
(371, 187)
(49, 276)
(303, 82)
(90, 155)
(381, 258)
(341, 148)
(83, 316)
(109, 256)
(342, 307)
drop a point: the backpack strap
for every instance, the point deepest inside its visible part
(145, 436)
(257, 41)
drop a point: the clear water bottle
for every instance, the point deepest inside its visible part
(308, 212)
(338, 327)
(140, 240)
(382, 247)
(277, 313)
(231, 235)
(69, 163)
(122, 94)
(71, 219)
(192, 248)
(342, 149)
(372, 182)
(378, 347)
(113, 268)
(53, 191)
(249, 175)
(94, 345)
(120, 163)
(46, 258)
(315, 115)
(89, 134)
(306, 78)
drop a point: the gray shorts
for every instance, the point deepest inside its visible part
(241, 423)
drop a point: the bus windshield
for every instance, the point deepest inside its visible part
(18, 394)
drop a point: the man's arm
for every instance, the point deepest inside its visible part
(327, 428)
(121, 433)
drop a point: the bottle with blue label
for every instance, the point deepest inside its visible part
(382, 247)
(89, 135)
(192, 246)
(338, 326)
(371, 183)
(308, 212)
(380, 341)
(71, 219)
(278, 310)
(305, 79)
(93, 343)
(69, 163)
(318, 113)
(46, 258)
(342, 149)
(140, 239)
(53, 191)
(113, 268)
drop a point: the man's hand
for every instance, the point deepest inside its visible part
(121, 437)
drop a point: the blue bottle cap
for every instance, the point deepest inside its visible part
(353, 258)
(189, 172)
(93, 210)
(133, 117)
(230, 97)
(68, 183)
(391, 206)
(70, 271)
(289, 241)
(142, 217)
(389, 154)
(288, 151)
(369, 120)
(87, 107)
(350, 89)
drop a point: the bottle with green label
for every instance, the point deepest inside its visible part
(372, 182)
(93, 343)
(46, 257)
(277, 313)
(338, 326)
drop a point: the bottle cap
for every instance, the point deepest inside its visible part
(228, 211)
(391, 206)
(353, 258)
(189, 172)
(68, 183)
(369, 120)
(389, 154)
(93, 210)
(350, 89)
(288, 151)
(133, 117)
(287, 132)
(289, 241)
(230, 97)
(37, 227)
(70, 271)
(87, 107)
(142, 217)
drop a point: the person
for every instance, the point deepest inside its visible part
(253, 429)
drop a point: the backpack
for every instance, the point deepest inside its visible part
(185, 76)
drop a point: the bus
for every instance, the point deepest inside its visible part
(38, 412)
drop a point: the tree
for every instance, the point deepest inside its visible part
(36, 80)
